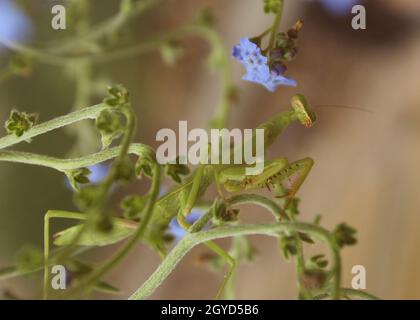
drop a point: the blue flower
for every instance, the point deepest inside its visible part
(98, 172)
(177, 231)
(14, 24)
(257, 69)
(339, 7)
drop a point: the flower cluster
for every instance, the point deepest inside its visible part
(257, 67)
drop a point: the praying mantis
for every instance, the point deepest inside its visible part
(180, 201)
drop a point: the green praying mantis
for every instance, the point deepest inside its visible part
(180, 200)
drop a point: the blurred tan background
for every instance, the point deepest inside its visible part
(367, 164)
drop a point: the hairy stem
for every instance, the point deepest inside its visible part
(59, 122)
(64, 165)
(262, 201)
(96, 210)
(193, 239)
(275, 26)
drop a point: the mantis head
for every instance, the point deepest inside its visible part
(305, 115)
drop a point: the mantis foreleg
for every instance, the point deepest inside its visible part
(292, 177)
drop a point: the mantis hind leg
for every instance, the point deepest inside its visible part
(287, 185)
(229, 260)
(53, 214)
(219, 251)
(188, 202)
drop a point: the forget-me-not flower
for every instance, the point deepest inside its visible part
(98, 172)
(14, 24)
(257, 68)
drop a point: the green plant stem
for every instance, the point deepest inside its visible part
(193, 239)
(97, 209)
(84, 132)
(82, 74)
(300, 269)
(107, 27)
(59, 122)
(275, 26)
(259, 200)
(51, 55)
(38, 54)
(279, 214)
(220, 119)
(299, 258)
(64, 165)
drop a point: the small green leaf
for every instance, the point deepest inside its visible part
(122, 229)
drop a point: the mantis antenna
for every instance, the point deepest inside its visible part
(341, 106)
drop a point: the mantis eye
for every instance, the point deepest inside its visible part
(305, 115)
